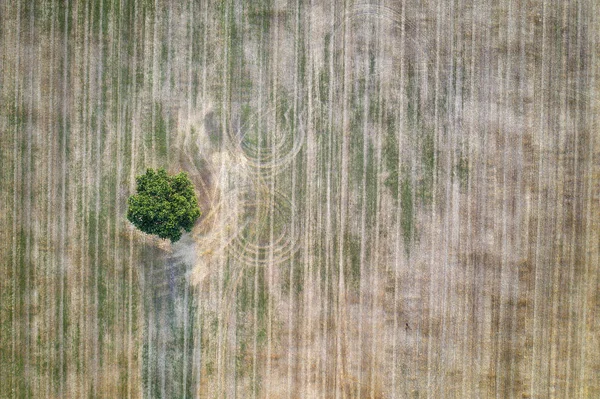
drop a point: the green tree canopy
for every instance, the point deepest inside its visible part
(164, 205)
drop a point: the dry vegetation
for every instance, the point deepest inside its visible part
(400, 199)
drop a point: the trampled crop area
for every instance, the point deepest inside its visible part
(401, 199)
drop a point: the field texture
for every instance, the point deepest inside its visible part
(401, 199)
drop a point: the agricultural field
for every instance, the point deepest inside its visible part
(400, 199)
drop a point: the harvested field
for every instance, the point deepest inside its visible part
(401, 199)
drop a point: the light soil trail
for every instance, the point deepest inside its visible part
(221, 259)
(84, 92)
(591, 216)
(512, 29)
(469, 266)
(186, 288)
(538, 265)
(256, 259)
(363, 231)
(15, 330)
(28, 193)
(399, 260)
(311, 199)
(576, 193)
(341, 322)
(518, 194)
(559, 221)
(293, 216)
(49, 184)
(61, 332)
(379, 374)
(432, 289)
(328, 222)
(273, 127)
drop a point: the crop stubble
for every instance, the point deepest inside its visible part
(400, 199)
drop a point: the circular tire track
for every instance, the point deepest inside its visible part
(252, 245)
(274, 157)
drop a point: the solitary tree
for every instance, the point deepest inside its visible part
(164, 205)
